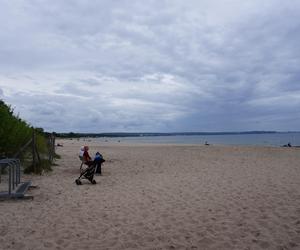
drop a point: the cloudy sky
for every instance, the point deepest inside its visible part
(152, 66)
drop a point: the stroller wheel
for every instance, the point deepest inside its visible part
(78, 182)
(94, 182)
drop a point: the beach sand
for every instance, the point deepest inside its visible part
(161, 197)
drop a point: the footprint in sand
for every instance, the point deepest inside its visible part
(48, 244)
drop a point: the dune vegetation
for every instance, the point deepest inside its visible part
(20, 140)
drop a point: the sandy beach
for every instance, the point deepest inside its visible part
(161, 197)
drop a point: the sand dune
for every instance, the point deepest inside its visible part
(162, 197)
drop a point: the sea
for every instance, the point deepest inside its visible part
(260, 139)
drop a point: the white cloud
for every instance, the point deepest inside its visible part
(155, 66)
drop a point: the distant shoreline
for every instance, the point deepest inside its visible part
(258, 139)
(144, 134)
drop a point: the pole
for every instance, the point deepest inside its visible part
(33, 151)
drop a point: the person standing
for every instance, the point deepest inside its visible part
(98, 161)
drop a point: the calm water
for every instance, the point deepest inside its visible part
(277, 139)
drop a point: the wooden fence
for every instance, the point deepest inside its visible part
(36, 159)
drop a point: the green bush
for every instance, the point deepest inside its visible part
(15, 133)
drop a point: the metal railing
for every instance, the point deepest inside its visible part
(12, 165)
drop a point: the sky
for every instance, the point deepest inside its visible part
(152, 66)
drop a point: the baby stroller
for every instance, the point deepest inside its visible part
(88, 174)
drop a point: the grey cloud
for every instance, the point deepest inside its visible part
(163, 65)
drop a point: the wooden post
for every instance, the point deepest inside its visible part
(53, 145)
(51, 141)
(37, 154)
(49, 148)
(33, 151)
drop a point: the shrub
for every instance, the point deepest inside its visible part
(15, 133)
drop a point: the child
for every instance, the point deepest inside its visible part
(98, 161)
